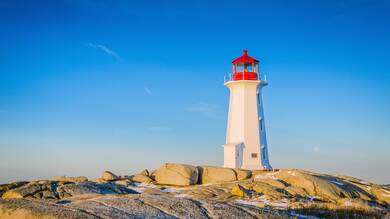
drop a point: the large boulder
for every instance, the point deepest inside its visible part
(176, 174)
(211, 174)
(243, 174)
(108, 176)
(141, 178)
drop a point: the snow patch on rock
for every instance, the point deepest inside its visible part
(337, 183)
(266, 176)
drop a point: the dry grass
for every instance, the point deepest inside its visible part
(328, 210)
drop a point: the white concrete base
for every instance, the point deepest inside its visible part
(232, 155)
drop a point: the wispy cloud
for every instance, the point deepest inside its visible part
(105, 49)
(204, 108)
(316, 149)
(160, 128)
(147, 90)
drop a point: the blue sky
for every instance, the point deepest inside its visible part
(87, 86)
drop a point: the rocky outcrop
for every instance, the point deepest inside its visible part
(145, 172)
(268, 194)
(241, 191)
(124, 182)
(273, 182)
(243, 174)
(131, 206)
(314, 185)
(269, 191)
(5, 187)
(38, 209)
(108, 176)
(58, 190)
(381, 194)
(326, 188)
(92, 188)
(141, 178)
(38, 189)
(296, 191)
(70, 179)
(176, 174)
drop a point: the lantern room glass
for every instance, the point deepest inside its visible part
(247, 67)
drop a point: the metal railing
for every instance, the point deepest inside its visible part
(229, 77)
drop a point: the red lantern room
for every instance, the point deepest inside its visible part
(245, 68)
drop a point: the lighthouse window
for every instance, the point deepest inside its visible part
(254, 155)
(248, 67)
(261, 124)
(239, 68)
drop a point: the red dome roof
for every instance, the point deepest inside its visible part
(245, 59)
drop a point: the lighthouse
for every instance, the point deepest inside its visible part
(246, 142)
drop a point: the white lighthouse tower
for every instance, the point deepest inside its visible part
(246, 143)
